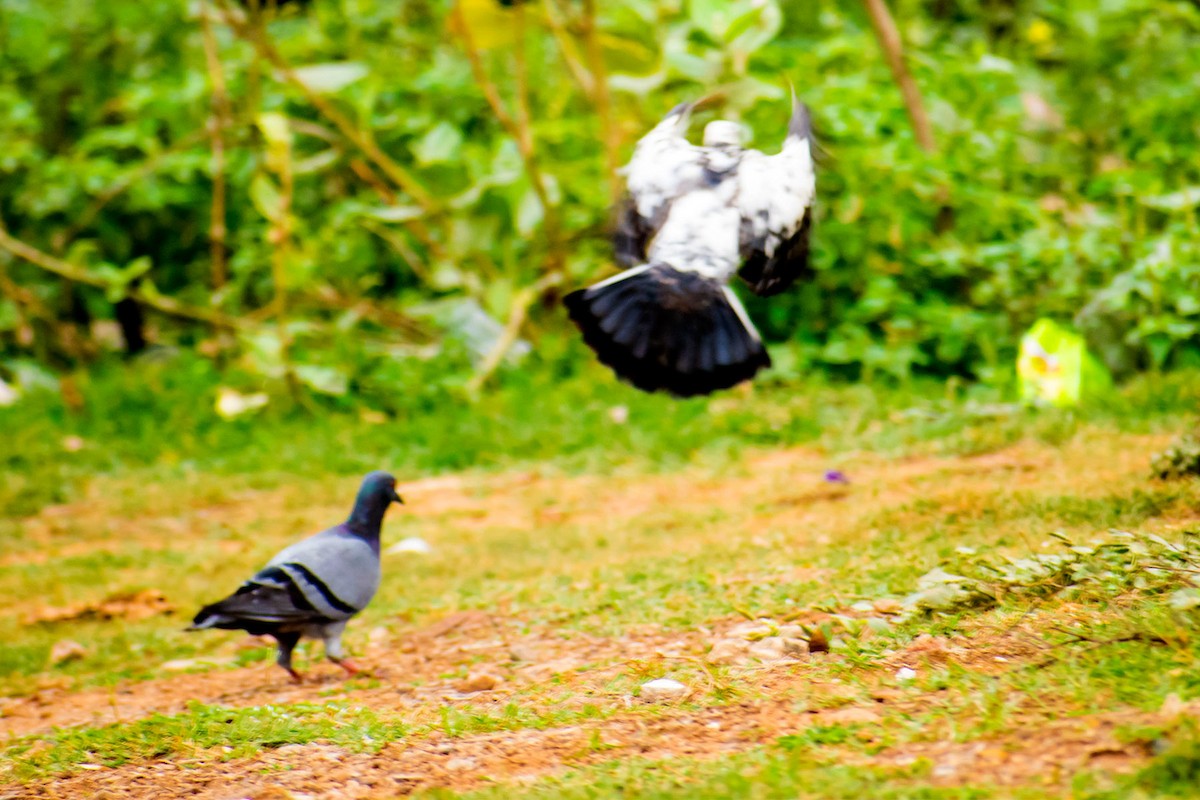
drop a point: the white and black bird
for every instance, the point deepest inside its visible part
(313, 588)
(696, 216)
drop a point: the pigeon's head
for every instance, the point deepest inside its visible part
(379, 489)
(722, 133)
(375, 496)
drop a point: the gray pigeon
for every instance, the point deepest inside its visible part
(694, 218)
(313, 587)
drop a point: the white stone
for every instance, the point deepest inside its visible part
(905, 674)
(413, 544)
(796, 648)
(662, 690)
(768, 649)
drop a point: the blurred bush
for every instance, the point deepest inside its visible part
(370, 185)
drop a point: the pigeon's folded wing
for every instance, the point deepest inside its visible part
(336, 573)
(775, 195)
(268, 601)
(664, 166)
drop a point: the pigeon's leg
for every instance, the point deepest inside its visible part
(332, 634)
(287, 643)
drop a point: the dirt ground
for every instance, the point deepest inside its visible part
(547, 666)
(1046, 750)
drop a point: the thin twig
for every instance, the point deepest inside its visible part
(520, 132)
(415, 226)
(72, 272)
(893, 50)
(523, 300)
(567, 48)
(381, 315)
(602, 100)
(280, 236)
(22, 296)
(221, 115)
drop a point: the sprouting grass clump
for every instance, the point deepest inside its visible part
(1180, 460)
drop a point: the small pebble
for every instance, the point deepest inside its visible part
(887, 605)
(662, 690)
(905, 674)
(413, 544)
(477, 682)
(66, 650)
(728, 651)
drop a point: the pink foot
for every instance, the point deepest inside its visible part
(351, 668)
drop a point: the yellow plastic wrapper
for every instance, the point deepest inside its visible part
(1055, 367)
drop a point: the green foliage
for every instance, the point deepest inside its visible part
(1121, 562)
(1063, 184)
(1180, 460)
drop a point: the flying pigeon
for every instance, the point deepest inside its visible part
(313, 587)
(693, 218)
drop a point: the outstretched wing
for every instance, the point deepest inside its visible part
(775, 196)
(664, 166)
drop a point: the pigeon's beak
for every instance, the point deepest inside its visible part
(396, 498)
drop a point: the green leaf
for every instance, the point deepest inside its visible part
(756, 28)
(278, 135)
(439, 145)
(1185, 599)
(266, 197)
(326, 380)
(1182, 200)
(394, 213)
(332, 76)
(529, 213)
(274, 128)
(317, 162)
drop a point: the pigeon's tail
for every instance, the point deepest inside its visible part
(213, 616)
(662, 328)
(231, 614)
(208, 617)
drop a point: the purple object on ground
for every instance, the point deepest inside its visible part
(836, 476)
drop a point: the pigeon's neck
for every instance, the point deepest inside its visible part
(366, 519)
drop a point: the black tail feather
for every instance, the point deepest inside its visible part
(663, 329)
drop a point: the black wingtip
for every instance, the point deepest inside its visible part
(662, 329)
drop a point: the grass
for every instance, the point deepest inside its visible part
(236, 732)
(670, 524)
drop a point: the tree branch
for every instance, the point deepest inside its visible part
(152, 299)
(519, 127)
(221, 115)
(566, 46)
(602, 100)
(512, 329)
(893, 50)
